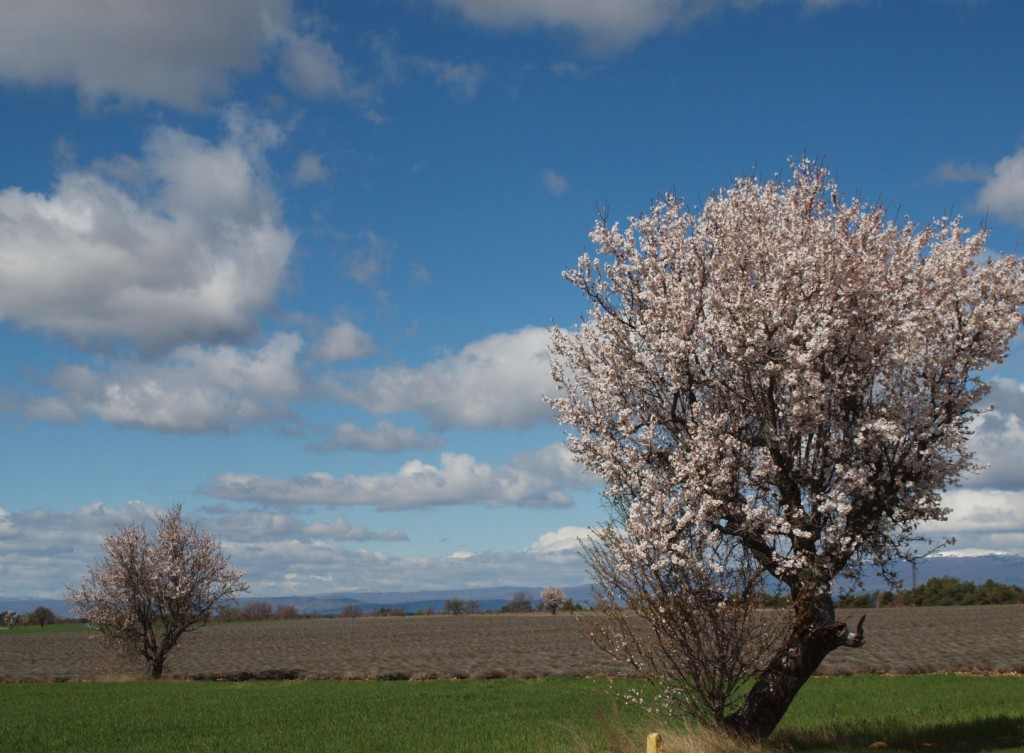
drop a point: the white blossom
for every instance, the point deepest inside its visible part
(787, 371)
(148, 591)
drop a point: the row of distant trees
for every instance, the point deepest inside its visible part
(41, 616)
(255, 611)
(551, 600)
(940, 592)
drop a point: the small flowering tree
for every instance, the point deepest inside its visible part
(552, 598)
(42, 616)
(781, 385)
(148, 591)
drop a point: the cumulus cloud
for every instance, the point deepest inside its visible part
(344, 341)
(555, 184)
(292, 567)
(371, 259)
(1003, 192)
(462, 80)
(384, 437)
(250, 527)
(41, 550)
(987, 509)
(565, 539)
(998, 439)
(195, 389)
(180, 53)
(962, 172)
(986, 520)
(606, 26)
(312, 67)
(535, 479)
(177, 53)
(497, 381)
(309, 168)
(192, 254)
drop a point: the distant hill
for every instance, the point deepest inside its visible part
(1007, 569)
(1002, 568)
(489, 599)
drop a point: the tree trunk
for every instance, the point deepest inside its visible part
(156, 668)
(815, 633)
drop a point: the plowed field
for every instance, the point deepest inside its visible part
(899, 640)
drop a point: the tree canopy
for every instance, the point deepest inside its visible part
(784, 381)
(149, 590)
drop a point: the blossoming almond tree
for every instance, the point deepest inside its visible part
(788, 377)
(552, 598)
(148, 591)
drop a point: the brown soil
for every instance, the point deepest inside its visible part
(899, 640)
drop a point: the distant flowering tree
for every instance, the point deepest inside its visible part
(552, 598)
(42, 616)
(783, 386)
(148, 591)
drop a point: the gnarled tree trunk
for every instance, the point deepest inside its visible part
(814, 635)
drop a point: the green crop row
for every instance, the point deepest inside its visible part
(965, 713)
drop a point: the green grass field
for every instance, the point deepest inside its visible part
(60, 627)
(964, 713)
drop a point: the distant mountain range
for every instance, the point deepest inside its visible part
(999, 567)
(1002, 568)
(488, 599)
(411, 602)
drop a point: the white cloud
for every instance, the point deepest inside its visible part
(178, 53)
(462, 80)
(195, 389)
(292, 567)
(983, 510)
(384, 437)
(309, 168)
(987, 509)
(991, 520)
(371, 259)
(257, 526)
(191, 255)
(962, 172)
(555, 183)
(537, 479)
(565, 539)
(497, 381)
(606, 26)
(41, 550)
(344, 341)
(312, 67)
(1003, 193)
(998, 439)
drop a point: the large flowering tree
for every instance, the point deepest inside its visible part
(149, 590)
(781, 385)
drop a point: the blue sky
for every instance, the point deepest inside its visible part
(293, 264)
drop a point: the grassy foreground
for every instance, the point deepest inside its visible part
(552, 714)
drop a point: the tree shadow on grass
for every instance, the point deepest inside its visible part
(992, 733)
